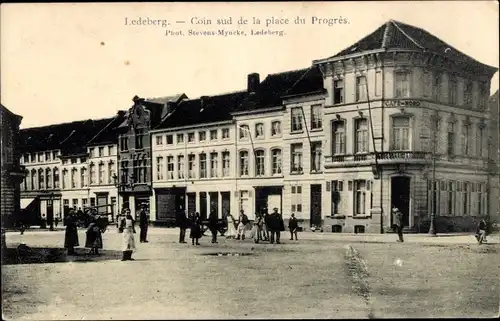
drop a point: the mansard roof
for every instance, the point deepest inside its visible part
(109, 134)
(71, 138)
(397, 35)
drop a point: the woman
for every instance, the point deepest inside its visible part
(71, 234)
(93, 240)
(128, 244)
(231, 227)
(195, 232)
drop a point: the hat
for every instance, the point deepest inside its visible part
(275, 209)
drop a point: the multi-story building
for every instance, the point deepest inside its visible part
(12, 173)
(134, 154)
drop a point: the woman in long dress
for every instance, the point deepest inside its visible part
(93, 240)
(128, 241)
(71, 235)
(196, 232)
(231, 227)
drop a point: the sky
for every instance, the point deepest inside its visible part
(66, 62)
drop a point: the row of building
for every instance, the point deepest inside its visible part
(399, 118)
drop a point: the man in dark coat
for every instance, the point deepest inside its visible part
(276, 226)
(213, 223)
(143, 224)
(398, 222)
(293, 226)
(182, 223)
(71, 234)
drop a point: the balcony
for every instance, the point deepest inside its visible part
(366, 159)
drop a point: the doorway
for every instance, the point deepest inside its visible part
(315, 217)
(226, 203)
(400, 197)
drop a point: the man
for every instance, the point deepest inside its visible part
(293, 226)
(481, 232)
(182, 223)
(398, 222)
(213, 221)
(143, 224)
(242, 222)
(264, 227)
(276, 226)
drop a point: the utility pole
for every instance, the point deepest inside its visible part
(432, 227)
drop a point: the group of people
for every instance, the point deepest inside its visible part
(93, 239)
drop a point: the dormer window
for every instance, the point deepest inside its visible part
(259, 130)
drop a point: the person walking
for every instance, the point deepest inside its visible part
(231, 227)
(128, 240)
(195, 233)
(143, 224)
(242, 223)
(293, 226)
(71, 234)
(481, 232)
(93, 239)
(398, 222)
(213, 221)
(182, 224)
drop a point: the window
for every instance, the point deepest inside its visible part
(361, 137)
(65, 178)
(451, 198)
(202, 136)
(435, 134)
(465, 139)
(481, 198)
(296, 199)
(159, 140)
(190, 137)
(466, 198)
(451, 137)
(244, 131)
(337, 191)
(243, 163)
(83, 174)
(316, 117)
(83, 160)
(66, 203)
(47, 156)
(138, 139)
(54, 155)
(159, 168)
(316, 156)
(203, 165)
(141, 167)
(41, 180)
(180, 138)
(65, 161)
(74, 161)
(56, 178)
(85, 201)
(111, 150)
(111, 172)
(402, 85)
(483, 96)
(180, 166)
(191, 162)
(296, 151)
(296, 119)
(400, 133)
(225, 133)
(125, 172)
(92, 201)
(437, 87)
(338, 91)
(225, 164)
(74, 202)
(40, 157)
(338, 128)
(26, 158)
(34, 179)
(260, 163)
(361, 88)
(276, 128)
(123, 145)
(48, 178)
(170, 167)
(101, 173)
(101, 151)
(74, 174)
(378, 83)
(480, 139)
(259, 130)
(276, 160)
(360, 191)
(468, 93)
(452, 95)
(213, 134)
(214, 164)
(170, 139)
(92, 174)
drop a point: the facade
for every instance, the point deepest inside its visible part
(12, 173)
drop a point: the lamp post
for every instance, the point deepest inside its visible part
(432, 227)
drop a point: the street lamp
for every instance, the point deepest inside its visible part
(432, 227)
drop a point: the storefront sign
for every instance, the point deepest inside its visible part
(401, 103)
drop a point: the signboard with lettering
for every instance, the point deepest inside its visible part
(402, 103)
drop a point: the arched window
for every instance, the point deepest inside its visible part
(55, 172)
(276, 161)
(260, 163)
(243, 163)
(41, 178)
(48, 178)
(259, 130)
(34, 180)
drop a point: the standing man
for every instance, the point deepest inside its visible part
(398, 222)
(265, 223)
(276, 226)
(143, 224)
(242, 222)
(212, 223)
(292, 226)
(182, 223)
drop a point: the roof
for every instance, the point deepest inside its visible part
(11, 114)
(108, 134)
(310, 82)
(71, 138)
(397, 35)
(213, 109)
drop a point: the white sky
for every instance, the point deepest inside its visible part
(55, 69)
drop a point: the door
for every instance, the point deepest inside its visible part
(400, 197)
(102, 200)
(203, 205)
(315, 217)
(50, 211)
(191, 203)
(226, 203)
(214, 202)
(113, 208)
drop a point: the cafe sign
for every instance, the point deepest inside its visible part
(402, 103)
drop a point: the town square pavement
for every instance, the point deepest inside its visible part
(323, 275)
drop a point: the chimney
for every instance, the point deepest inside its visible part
(253, 83)
(204, 102)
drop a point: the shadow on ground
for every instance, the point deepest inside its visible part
(33, 255)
